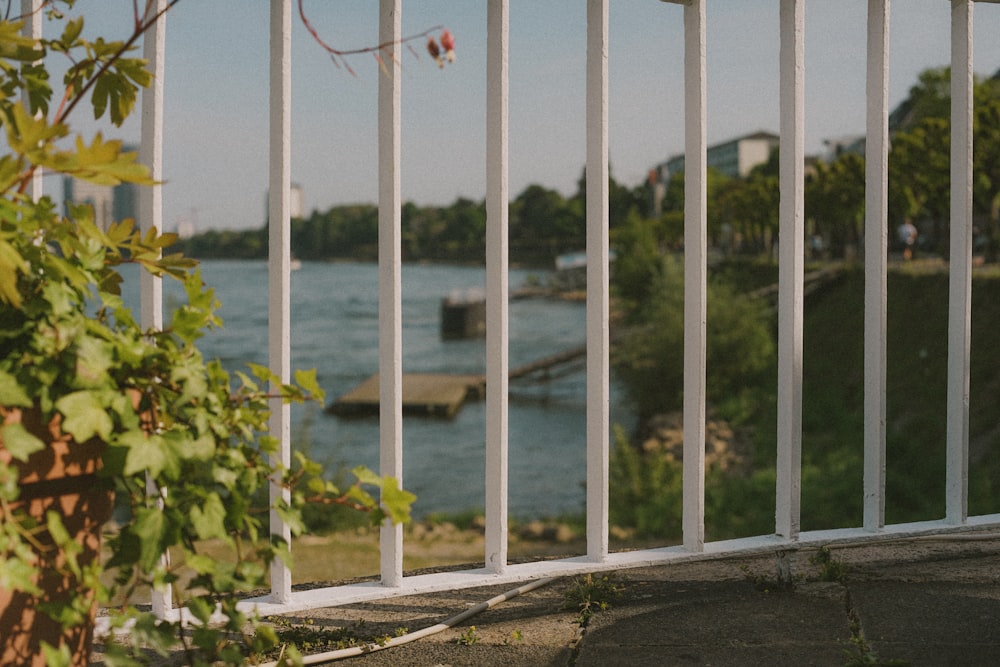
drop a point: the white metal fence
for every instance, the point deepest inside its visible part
(787, 533)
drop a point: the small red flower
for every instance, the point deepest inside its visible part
(448, 44)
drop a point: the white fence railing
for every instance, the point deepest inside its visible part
(790, 305)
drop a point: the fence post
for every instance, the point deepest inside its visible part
(790, 270)
(279, 265)
(390, 283)
(876, 248)
(598, 401)
(31, 10)
(497, 282)
(150, 211)
(695, 273)
(960, 272)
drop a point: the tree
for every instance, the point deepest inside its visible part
(639, 260)
(672, 219)
(920, 178)
(986, 156)
(621, 200)
(835, 201)
(750, 208)
(543, 225)
(931, 98)
(920, 158)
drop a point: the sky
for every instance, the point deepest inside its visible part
(216, 83)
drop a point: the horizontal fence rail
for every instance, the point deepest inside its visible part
(787, 532)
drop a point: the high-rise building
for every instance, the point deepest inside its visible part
(110, 203)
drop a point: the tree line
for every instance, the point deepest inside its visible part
(742, 212)
(542, 224)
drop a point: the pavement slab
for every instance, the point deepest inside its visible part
(716, 623)
(915, 601)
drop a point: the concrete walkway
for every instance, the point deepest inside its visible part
(928, 601)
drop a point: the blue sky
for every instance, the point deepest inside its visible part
(215, 159)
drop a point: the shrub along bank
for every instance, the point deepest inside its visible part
(646, 468)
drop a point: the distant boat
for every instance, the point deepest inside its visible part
(295, 264)
(571, 260)
(576, 260)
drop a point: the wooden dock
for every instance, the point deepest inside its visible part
(442, 394)
(426, 394)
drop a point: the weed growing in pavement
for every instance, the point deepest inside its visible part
(306, 637)
(589, 594)
(469, 637)
(864, 655)
(831, 569)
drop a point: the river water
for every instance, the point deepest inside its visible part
(335, 330)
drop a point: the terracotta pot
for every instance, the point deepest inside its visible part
(61, 477)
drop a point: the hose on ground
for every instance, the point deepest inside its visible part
(340, 654)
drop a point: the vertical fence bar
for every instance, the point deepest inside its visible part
(390, 283)
(151, 211)
(31, 10)
(790, 263)
(279, 264)
(960, 275)
(497, 282)
(876, 248)
(151, 155)
(695, 273)
(598, 339)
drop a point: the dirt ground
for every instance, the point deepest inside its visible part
(353, 554)
(348, 555)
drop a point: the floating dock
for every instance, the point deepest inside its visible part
(426, 394)
(442, 394)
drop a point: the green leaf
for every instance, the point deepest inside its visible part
(396, 502)
(72, 31)
(264, 374)
(149, 526)
(56, 657)
(366, 476)
(145, 453)
(200, 563)
(200, 609)
(11, 393)
(208, 520)
(11, 264)
(94, 358)
(194, 449)
(84, 416)
(19, 442)
(307, 380)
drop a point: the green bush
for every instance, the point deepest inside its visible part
(650, 361)
(645, 490)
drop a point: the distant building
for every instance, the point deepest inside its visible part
(110, 203)
(296, 203)
(734, 158)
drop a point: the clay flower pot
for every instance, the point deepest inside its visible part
(60, 478)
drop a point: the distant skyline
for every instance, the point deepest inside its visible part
(215, 157)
